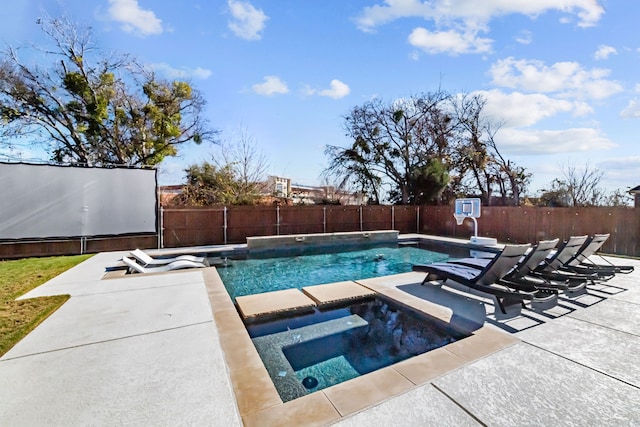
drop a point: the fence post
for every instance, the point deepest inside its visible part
(161, 231)
(418, 219)
(361, 228)
(393, 217)
(277, 220)
(224, 225)
(324, 219)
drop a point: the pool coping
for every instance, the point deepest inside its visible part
(259, 403)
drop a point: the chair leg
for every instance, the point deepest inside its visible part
(506, 301)
(501, 305)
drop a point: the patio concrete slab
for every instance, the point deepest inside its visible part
(526, 386)
(422, 407)
(91, 269)
(167, 378)
(606, 350)
(114, 315)
(616, 314)
(630, 295)
(124, 283)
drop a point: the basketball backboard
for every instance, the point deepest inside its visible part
(467, 208)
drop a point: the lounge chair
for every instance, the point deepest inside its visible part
(581, 262)
(147, 260)
(176, 265)
(554, 266)
(520, 276)
(485, 280)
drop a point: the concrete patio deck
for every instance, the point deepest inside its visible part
(145, 350)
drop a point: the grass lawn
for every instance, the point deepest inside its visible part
(18, 318)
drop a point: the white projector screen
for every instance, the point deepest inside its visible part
(42, 201)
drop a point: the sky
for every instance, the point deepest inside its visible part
(562, 75)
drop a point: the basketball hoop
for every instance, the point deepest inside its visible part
(467, 208)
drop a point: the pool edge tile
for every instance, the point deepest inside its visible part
(482, 342)
(425, 367)
(254, 389)
(359, 393)
(314, 409)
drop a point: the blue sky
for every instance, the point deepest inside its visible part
(561, 74)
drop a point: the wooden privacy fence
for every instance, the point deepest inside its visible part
(222, 225)
(180, 227)
(528, 225)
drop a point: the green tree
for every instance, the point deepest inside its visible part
(209, 185)
(395, 144)
(94, 110)
(557, 195)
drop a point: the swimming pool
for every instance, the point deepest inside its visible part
(257, 275)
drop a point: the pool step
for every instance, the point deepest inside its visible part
(288, 301)
(337, 293)
(274, 303)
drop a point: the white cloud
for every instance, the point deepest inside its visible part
(338, 90)
(518, 109)
(247, 22)
(566, 79)
(631, 163)
(525, 37)
(473, 13)
(451, 41)
(133, 18)
(632, 110)
(621, 172)
(272, 85)
(181, 73)
(530, 142)
(604, 51)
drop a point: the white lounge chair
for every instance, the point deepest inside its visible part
(147, 260)
(176, 265)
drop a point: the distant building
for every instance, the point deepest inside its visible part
(280, 191)
(297, 194)
(636, 196)
(166, 193)
(326, 194)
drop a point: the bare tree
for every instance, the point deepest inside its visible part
(512, 180)
(480, 165)
(579, 186)
(583, 184)
(248, 163)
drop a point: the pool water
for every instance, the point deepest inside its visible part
(254, 276)
(317, 351)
